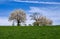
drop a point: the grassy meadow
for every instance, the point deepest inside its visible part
(29, 32)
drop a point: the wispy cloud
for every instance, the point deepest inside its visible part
(39, 2)
(29, 21)
(49, 13)
(52, 14)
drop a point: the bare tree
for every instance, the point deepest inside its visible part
(18, 15)
(36, 16)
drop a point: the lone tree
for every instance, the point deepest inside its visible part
(18, 16)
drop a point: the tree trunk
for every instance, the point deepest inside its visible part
(18, 23)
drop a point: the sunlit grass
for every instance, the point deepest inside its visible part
(29, 32)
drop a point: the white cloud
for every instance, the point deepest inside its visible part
(52, 14)
(4, 21)
(36, 9)
(37, 2)
(29, 21)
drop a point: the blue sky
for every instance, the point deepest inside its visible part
(49, 8)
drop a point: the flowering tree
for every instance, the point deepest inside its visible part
(18, 15)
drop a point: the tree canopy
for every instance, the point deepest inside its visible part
(18, 15)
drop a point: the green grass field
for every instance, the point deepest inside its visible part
(30, 32)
